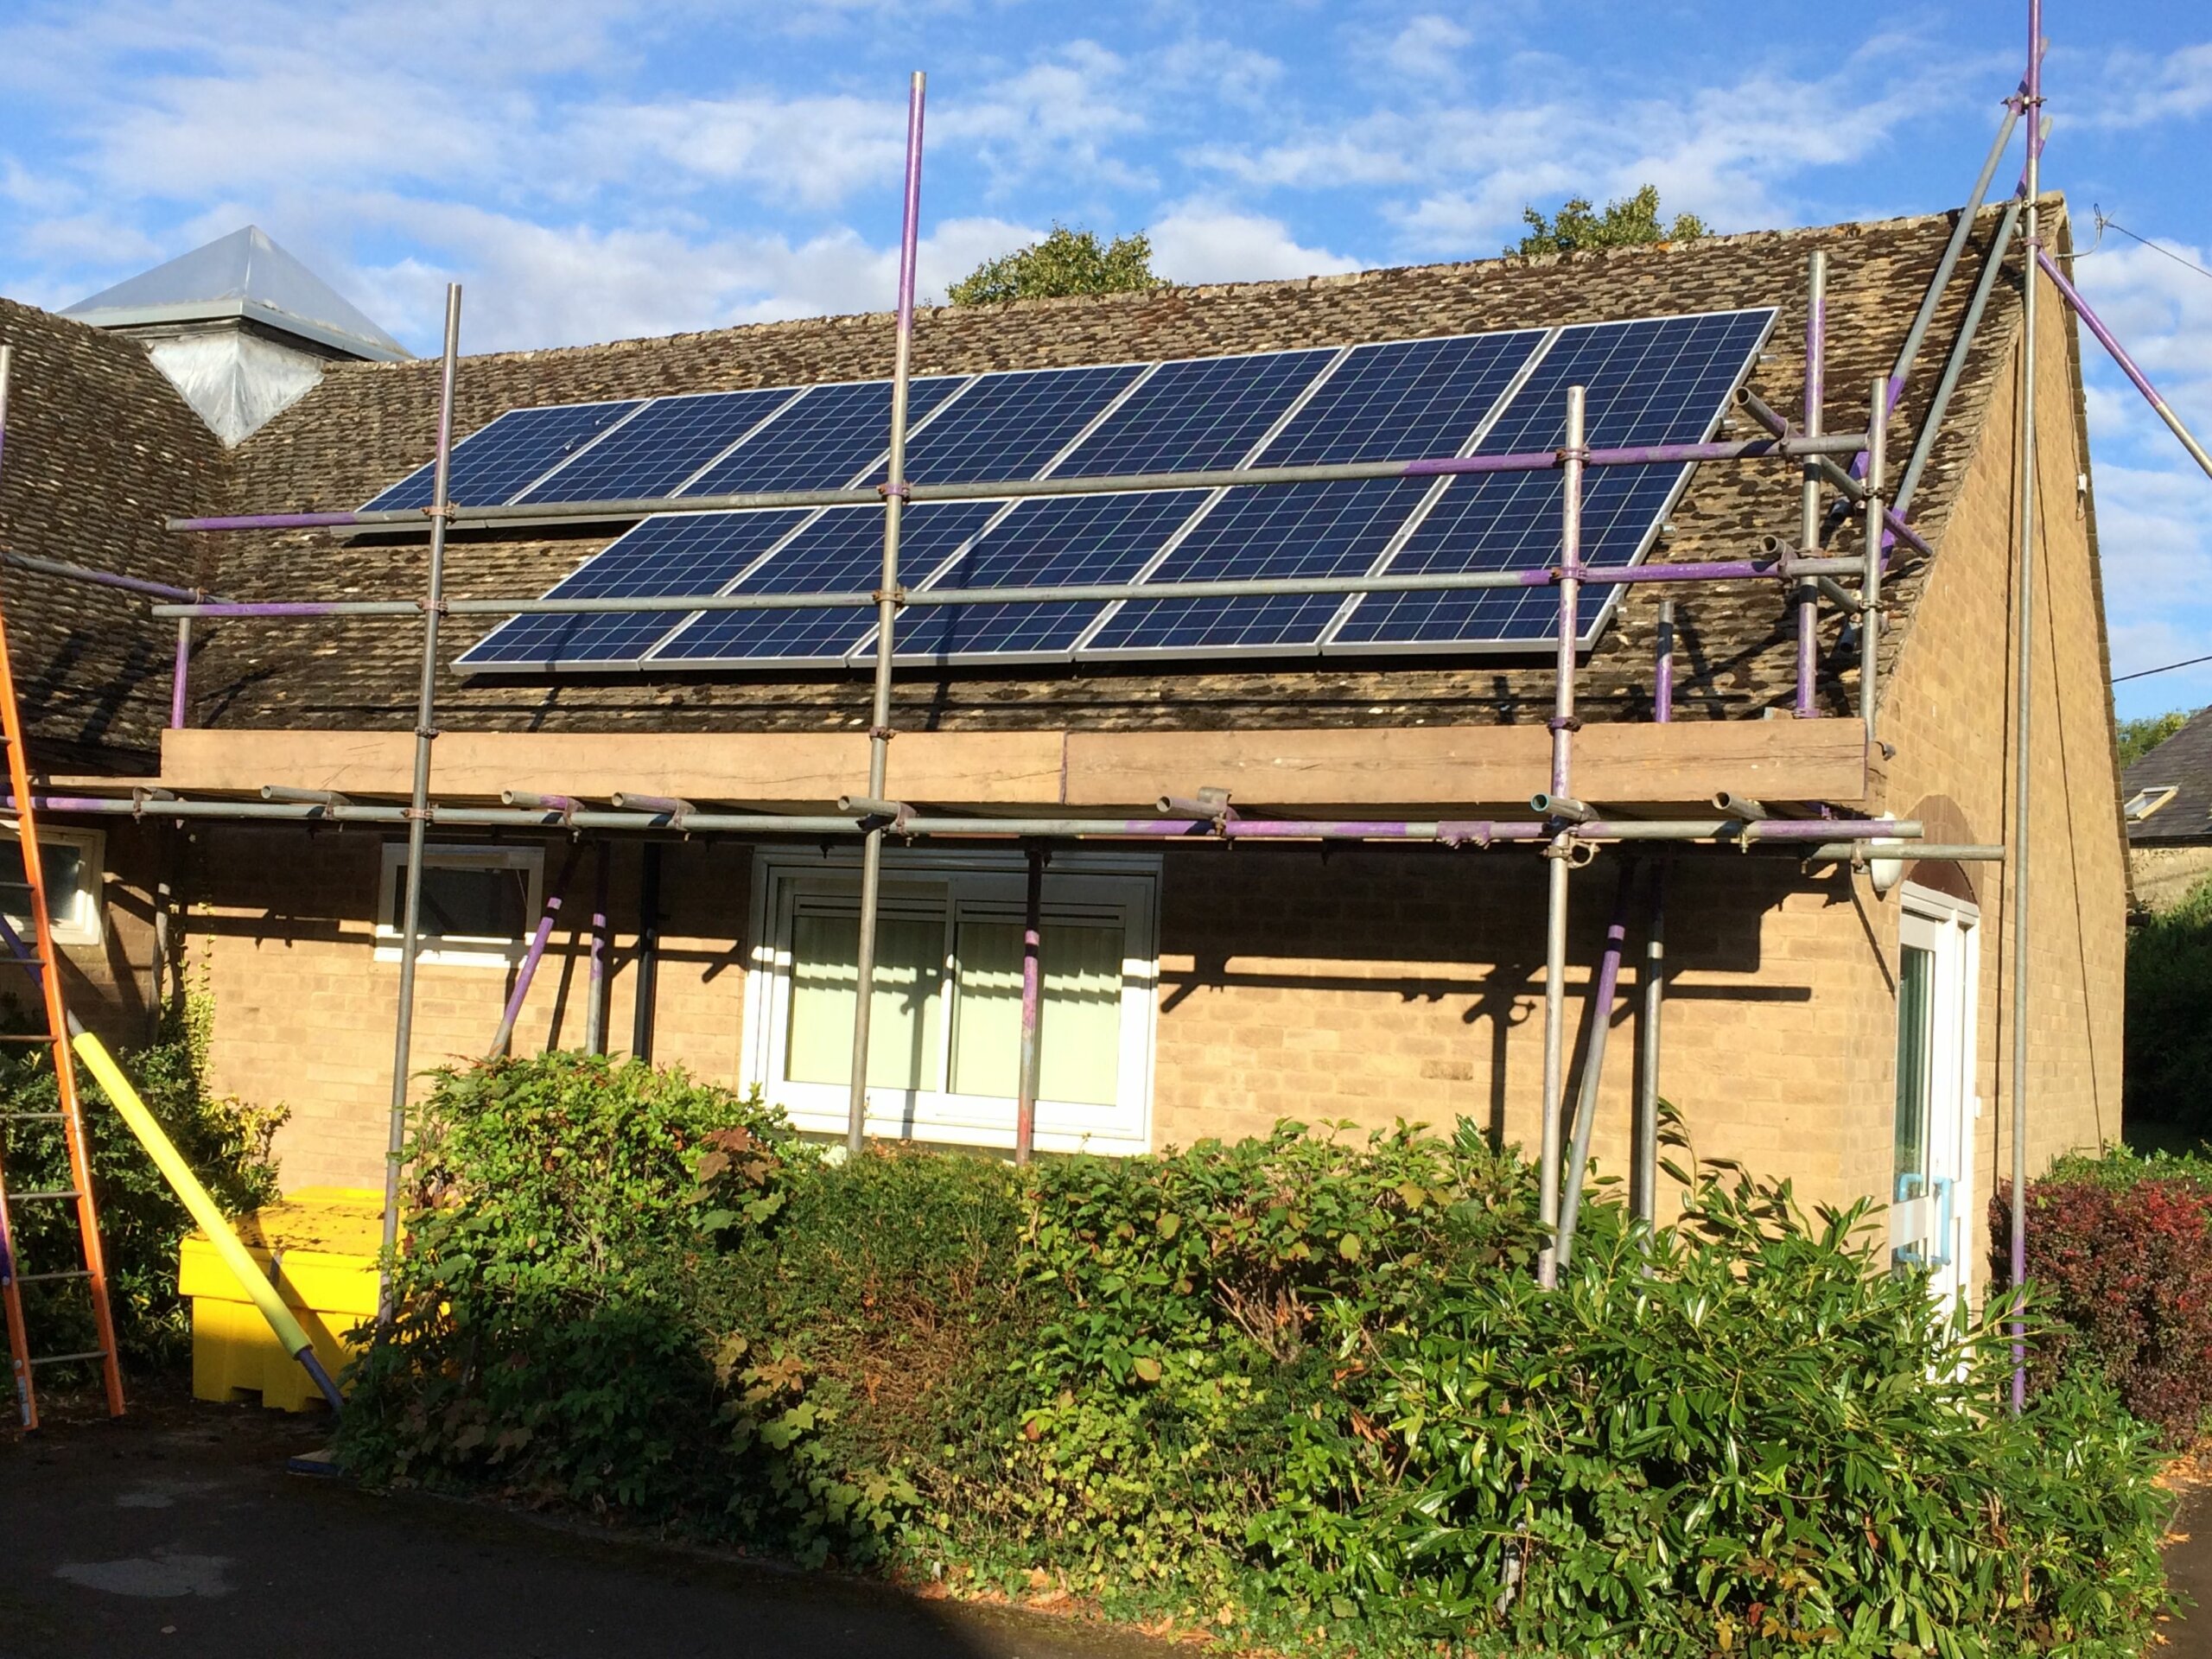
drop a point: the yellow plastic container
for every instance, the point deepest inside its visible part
(323, 1243)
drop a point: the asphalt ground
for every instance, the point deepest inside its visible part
(177, 1533)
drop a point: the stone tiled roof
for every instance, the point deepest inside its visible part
(2183, 762)
(99, 450)
(366, 425)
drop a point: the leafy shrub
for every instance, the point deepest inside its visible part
(2167, 1077)
(1300, 1390)
(225, 1140)
(540, 1332)
(2119, 1252)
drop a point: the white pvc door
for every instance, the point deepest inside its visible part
(1932, 1198)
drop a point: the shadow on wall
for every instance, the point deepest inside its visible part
(1463, 934)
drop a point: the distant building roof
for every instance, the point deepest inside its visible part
(2168, 793)
(244, 275)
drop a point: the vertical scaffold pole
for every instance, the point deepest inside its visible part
(595, 1004)
(1033, 1009)
(1652, 980)
(2023, 693)
(1557, 854)
(1808, 512)
(1870, 620)
(1662, 665)
(879, 736)
(180, 680)
(419, 804)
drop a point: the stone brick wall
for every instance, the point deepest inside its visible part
(281, 925)
(1949, 714)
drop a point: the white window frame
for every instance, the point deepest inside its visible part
(1124, 887)
(1950, 929)
(436, 950)
(78, 916)
(2144, 802)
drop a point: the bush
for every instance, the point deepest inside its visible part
(2120, 1251)
(1300, 1390)
(225, 1140)
(2167, 1079)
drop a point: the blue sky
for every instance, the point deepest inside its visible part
(598, 168)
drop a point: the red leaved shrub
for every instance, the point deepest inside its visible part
(2121, 1258)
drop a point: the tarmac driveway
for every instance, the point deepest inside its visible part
(176, 1533)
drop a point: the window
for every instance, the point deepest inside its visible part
(72, 860)
(479, 903)
(2144, 802)
(1932, 1217)
(944, 1023)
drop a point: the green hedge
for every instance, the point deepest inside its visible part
(1299, 1391)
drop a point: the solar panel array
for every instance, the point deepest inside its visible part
(1648, 381)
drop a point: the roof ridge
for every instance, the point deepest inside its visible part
(1841, 229)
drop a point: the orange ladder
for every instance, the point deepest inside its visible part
(38, 958)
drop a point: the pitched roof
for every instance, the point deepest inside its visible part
(100, 449)
(242, 274)
(2184, 764)
(365, 425)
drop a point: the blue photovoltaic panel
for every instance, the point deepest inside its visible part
(825, 441)
(1406, 400)
(1059, 541)
(491, 464)
(1009, 425)
(1292, 529)
(841, 552)
(1665, 380)
(664, 444)
(683, 553)
(1201, 413)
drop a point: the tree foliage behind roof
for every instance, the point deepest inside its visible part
(1623, 225)
(1067, 261)
(2138, 737)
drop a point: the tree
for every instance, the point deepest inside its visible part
(1066, 262)
(1625, 224)
(2138, 737)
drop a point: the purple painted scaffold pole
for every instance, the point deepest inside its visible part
(1593, 1064)
(1809, 516)
(550, 914)
(2095, 325)
(1662, 665)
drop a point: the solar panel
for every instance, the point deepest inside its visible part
(1200, 413)
(1394, 400)
(1286, 530)
(825, 441)
(520, 447)
(1664, 380)
(693, 553)
(1060, 540)
(1404, 400)
(655, 450)
(1655, 380)
(1009, 425)
(839, 552)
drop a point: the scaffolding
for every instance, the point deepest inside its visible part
(1844, 478)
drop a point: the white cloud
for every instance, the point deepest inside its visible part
(1060, 113)
(814, 150)
(1723, 152)
(1427, 49)
(2133, 91)
(1197, 242)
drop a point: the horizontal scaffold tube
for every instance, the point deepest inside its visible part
(100, 578)
(1731, 831)
(574, 512)
(1784, 566)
